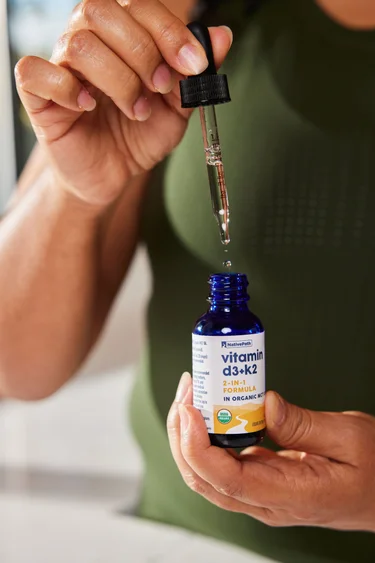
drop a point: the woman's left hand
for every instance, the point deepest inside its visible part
(324, 477)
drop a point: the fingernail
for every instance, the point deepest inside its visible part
(184, 418)
(85, 100)
(192, 59)
(142, 109)
(276, 407)
(162, 79)
(229, 32)
(183, 387)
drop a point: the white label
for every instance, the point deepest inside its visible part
(229, 382)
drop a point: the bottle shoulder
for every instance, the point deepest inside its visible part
(240, 322)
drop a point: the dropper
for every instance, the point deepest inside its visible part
(205, 91)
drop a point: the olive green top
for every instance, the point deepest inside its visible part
(299, 150)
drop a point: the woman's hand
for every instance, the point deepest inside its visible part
(106, 107)
(325, 476)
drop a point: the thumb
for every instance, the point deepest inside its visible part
(221, 39)
(319, 433)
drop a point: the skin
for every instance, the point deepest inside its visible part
(105, 110)
(323, 475)
(354, 14)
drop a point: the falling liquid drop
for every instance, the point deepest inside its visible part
(227, 265)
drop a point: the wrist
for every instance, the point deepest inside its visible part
(59, 209)
(68, 200)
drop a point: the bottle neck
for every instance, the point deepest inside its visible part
(228, 293)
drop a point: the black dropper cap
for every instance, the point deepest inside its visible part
(208, 88)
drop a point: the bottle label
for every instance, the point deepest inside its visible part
(229, 382)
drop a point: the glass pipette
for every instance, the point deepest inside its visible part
(215, 168)
(205, 91)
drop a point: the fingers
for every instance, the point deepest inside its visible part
(121, 50)
(192, 480)
(131, 42)
(303, 457)
(149, 39)
(146, 36)
(278, 488)
(314, 432)
(222, 39)
(40, 82)
(178, 46)
(53, 98)
(184, 387)
(253, 481)
(257, 451)
(83, 52)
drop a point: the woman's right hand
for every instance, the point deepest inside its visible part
(106, 107)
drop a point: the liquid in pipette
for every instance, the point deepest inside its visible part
(215, 169)
(218, 188)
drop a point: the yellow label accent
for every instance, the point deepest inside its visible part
(238, 419)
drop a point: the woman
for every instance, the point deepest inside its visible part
(298, 142)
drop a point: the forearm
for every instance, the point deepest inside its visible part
(61, 264)
(49, 264)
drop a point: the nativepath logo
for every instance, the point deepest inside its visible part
(239, 344)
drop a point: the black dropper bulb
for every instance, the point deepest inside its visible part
(207, 88)
(203, 35)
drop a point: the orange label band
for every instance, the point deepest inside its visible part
(238, 419)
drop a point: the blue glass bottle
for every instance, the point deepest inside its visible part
(229, 365)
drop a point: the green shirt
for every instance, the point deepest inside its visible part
(299, 149)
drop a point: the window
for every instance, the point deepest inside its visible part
(34, 26)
